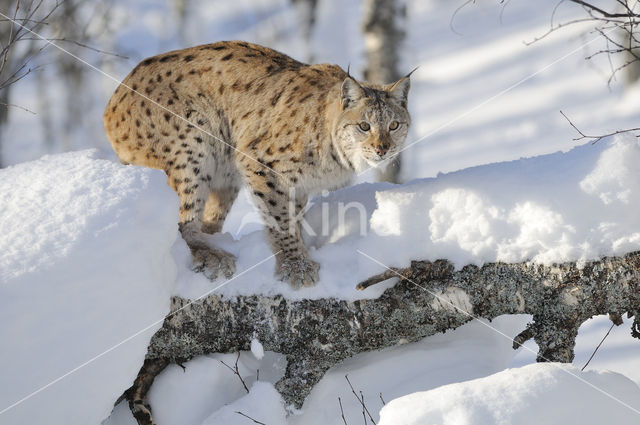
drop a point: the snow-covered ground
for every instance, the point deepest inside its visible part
(534, 394)
(88, 257)
(91, 254)
(85, 264)
(529, 209)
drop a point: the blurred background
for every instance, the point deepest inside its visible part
(483, 91)
(492, 78)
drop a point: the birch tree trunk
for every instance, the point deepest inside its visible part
(383, 35)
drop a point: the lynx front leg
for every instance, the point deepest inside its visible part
(282, 213)
(217, 208)
(213, 262)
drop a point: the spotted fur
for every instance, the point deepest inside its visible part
(223, 115)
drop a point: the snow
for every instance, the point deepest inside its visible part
(541, 393)
(264, 403)
(85, 264)
(480, 99)
(64, 209)
(519, 210)
(204, 386)
(257, 349)
(532, 209)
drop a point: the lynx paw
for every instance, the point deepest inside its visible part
(213, 263)
(298, 272)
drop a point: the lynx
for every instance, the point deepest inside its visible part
(223, 115)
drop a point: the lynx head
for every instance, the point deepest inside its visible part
(373, 121)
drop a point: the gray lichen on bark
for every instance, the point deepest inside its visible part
(432, 297)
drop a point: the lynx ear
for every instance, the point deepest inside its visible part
(400, 89)
(351, 92)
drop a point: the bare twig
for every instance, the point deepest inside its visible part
(361, 401)
(83, 45)
(596, 139)
(19, 74)
(502, 9)
(364, 410)
(611, 26)
(249, 417)
(553, 29)
(236, 371)
(596, 350)
(455, 13)
(384, 403)
(606, 14)
(342, 411)
(11, 105)
(18, 32)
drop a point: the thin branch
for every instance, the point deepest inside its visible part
(18, 75)
(249, 417)
(596, 139)
(620, 68)
(599, 52)
(607, 25)
(384, 403)
(553, 13)
(553, 29)
(24, 20)
(596, 350)
(556, 28)
(364, 409)
(361, 401)
(502, 9)
(342, 412)
(86, 46)
(11, 105)
(605, 13)
(455, 13)
(236, 372)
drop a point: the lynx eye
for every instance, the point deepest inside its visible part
(393, 125)
(364, 126)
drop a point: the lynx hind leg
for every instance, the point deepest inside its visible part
(217, 207)
(211, 261)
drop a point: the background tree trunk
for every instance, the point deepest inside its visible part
(383, 35)
(433, 297)
(307, 11)
(71, 24)
(4, 118)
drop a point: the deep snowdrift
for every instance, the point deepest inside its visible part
(570, 206)
(85, 263)
(536, 394)
(88, 256)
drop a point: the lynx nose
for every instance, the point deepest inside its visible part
(382, 149)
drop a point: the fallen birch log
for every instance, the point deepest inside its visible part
(431, 297)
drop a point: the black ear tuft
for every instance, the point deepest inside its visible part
(400, 89)
(351, 92)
